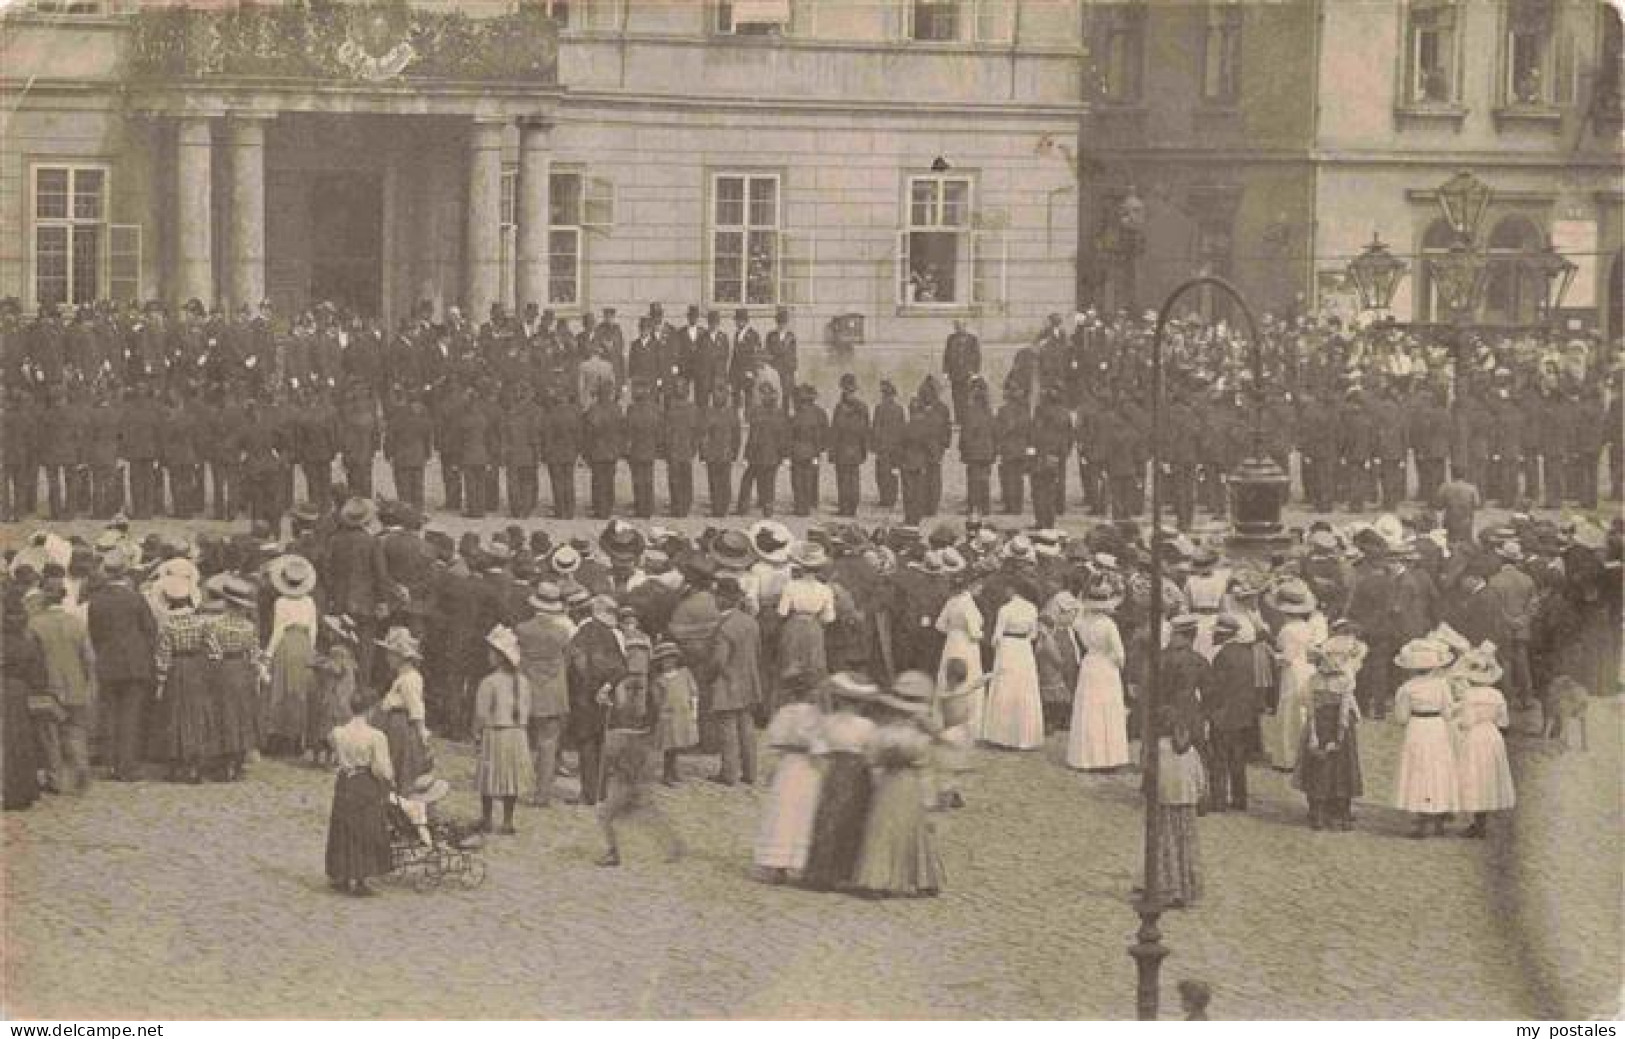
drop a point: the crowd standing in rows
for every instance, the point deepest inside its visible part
(214, 414)
(884, 662)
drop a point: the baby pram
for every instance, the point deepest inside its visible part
(426, 852)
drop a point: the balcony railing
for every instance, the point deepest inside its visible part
(327, 40)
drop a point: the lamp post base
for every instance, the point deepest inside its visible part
(1258, 493)
(1148, 952)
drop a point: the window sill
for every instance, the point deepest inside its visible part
(1432, 113)
(940, 309)
(1541, 114)
(52, 20)
(1216, 113)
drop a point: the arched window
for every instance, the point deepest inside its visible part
(1435, 240)
(1512, 293)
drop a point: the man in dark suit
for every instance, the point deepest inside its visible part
(961, 361)
(408, 434)
(560, 432)
(143, 422)
(782, 352)
(848, 445)
(1230, 700)
(765, 450)
(644, 421)
(886, 440)
(315, 444)
(517, 433)
(603, 428)
(124, 635)
(691, 353)
(596, 663)
(809, 432)
(978, 446)
(746, 350)
(719, 448)
(679, 443)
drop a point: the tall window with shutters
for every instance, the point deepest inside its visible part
(744, 239)
(71, 259)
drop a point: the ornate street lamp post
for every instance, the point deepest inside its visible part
(1376, 273)
(1555, 273)
(1462, 199)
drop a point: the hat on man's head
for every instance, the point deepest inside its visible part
(771, 541)
(547, 598)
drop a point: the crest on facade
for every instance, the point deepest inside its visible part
(376, 46)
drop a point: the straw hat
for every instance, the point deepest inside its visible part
(846, 685)
(1425, 654)
(809, 555)
(358, 512)
(547, 599)
(731, 550)
(1291, 597)
(1478, 665)
(910, 693)
(427, 789)
(292, 575)
(621, 542)
(565, 560)
(502, 639)
(238, 592)
(1020, 549)
(400, 642)
(770, 540)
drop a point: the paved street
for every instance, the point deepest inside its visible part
(156, 900)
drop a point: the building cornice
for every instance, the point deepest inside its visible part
(1022, 110)
(732, 41)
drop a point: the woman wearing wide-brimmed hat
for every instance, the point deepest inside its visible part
(1428, 784)
(1295, 603)
(899, 853)
(1014, 715)
(291, 648)
(185, 729)
(501, 714)
(806, 607)
(234, 672)
(1481, 714)
(784, 835)
(1098, 738)
(843, 742)
(1328, 769)
(400, 712)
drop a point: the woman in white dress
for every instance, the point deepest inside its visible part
(1481, 714)
(1014, 716)
(1098, 738)
(961, 624)
(290, 651)
(1428, 784)
(1299, 632)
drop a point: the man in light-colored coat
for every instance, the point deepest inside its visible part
(544, 654)
(737, 687)
(70, 677)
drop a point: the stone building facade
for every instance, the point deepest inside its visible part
(889, 159)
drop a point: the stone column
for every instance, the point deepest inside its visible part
(194, 239)
(482, 249)
(245, 267)
(531, 284)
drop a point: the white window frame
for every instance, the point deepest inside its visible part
(508, 236)
(965, 259)
(721, 20)
(749, 228)
(562, 231)
(1449, 46)
(974, 21)
(70, 223)
(73, 8)
(1222, 30)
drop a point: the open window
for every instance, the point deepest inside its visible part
(1432, 28)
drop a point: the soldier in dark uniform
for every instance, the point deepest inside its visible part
(47, 345)
(765, 450)
(1124, 451)
(448, 442)
(61, 433)
(782, 352)
(978, 446)
(475, 438)
(1388, 422)
(680, 436)
(358, 439)
(691, 352)
(283, 419)
(886, 436)
(560, 433)
(1180, 455)
(224, 421)
(408, 438)
(262, 463)
(1505, 442)
(1091, 468)
(1614, 425)
(602, 431)
(1530, 416)
(1052, 437)
(1013, 430)
(918, 454)
(1585, 438)
(1551, 421)
(1428, 430)
(848, 445)
(1356, 446)
(182, 458)
(643, 360)
(809, 435)
(102, 437)
(1469, 447)
(607, 337)
(518, 435)
(746, 349)
(1317, 449)
(961, 362)
(315, 443)
(644, 419)
(142, 422)
(719, 447)
(24, 429)
(940, 425)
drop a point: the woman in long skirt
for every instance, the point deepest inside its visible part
(1428, 783)
(292, 645)
(235, 673)
(1298, 634)
(358, 829)
(960, 624)
(844, 795)
(1099, 734)
(1180, 782)
(188, 733)
(1328, 770)
(1014, 716)
(806, 606)
(501, 710)
(1485, 774)
(784, 837)
(899, 854)
(401, 711)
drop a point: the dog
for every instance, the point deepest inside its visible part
(1565, 699)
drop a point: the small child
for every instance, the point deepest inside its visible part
(786, 830)
(678, 700)
(638, 648)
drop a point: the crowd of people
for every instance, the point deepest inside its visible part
(214, 414)
(883, 662)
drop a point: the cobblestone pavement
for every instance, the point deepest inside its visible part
(164, 901)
